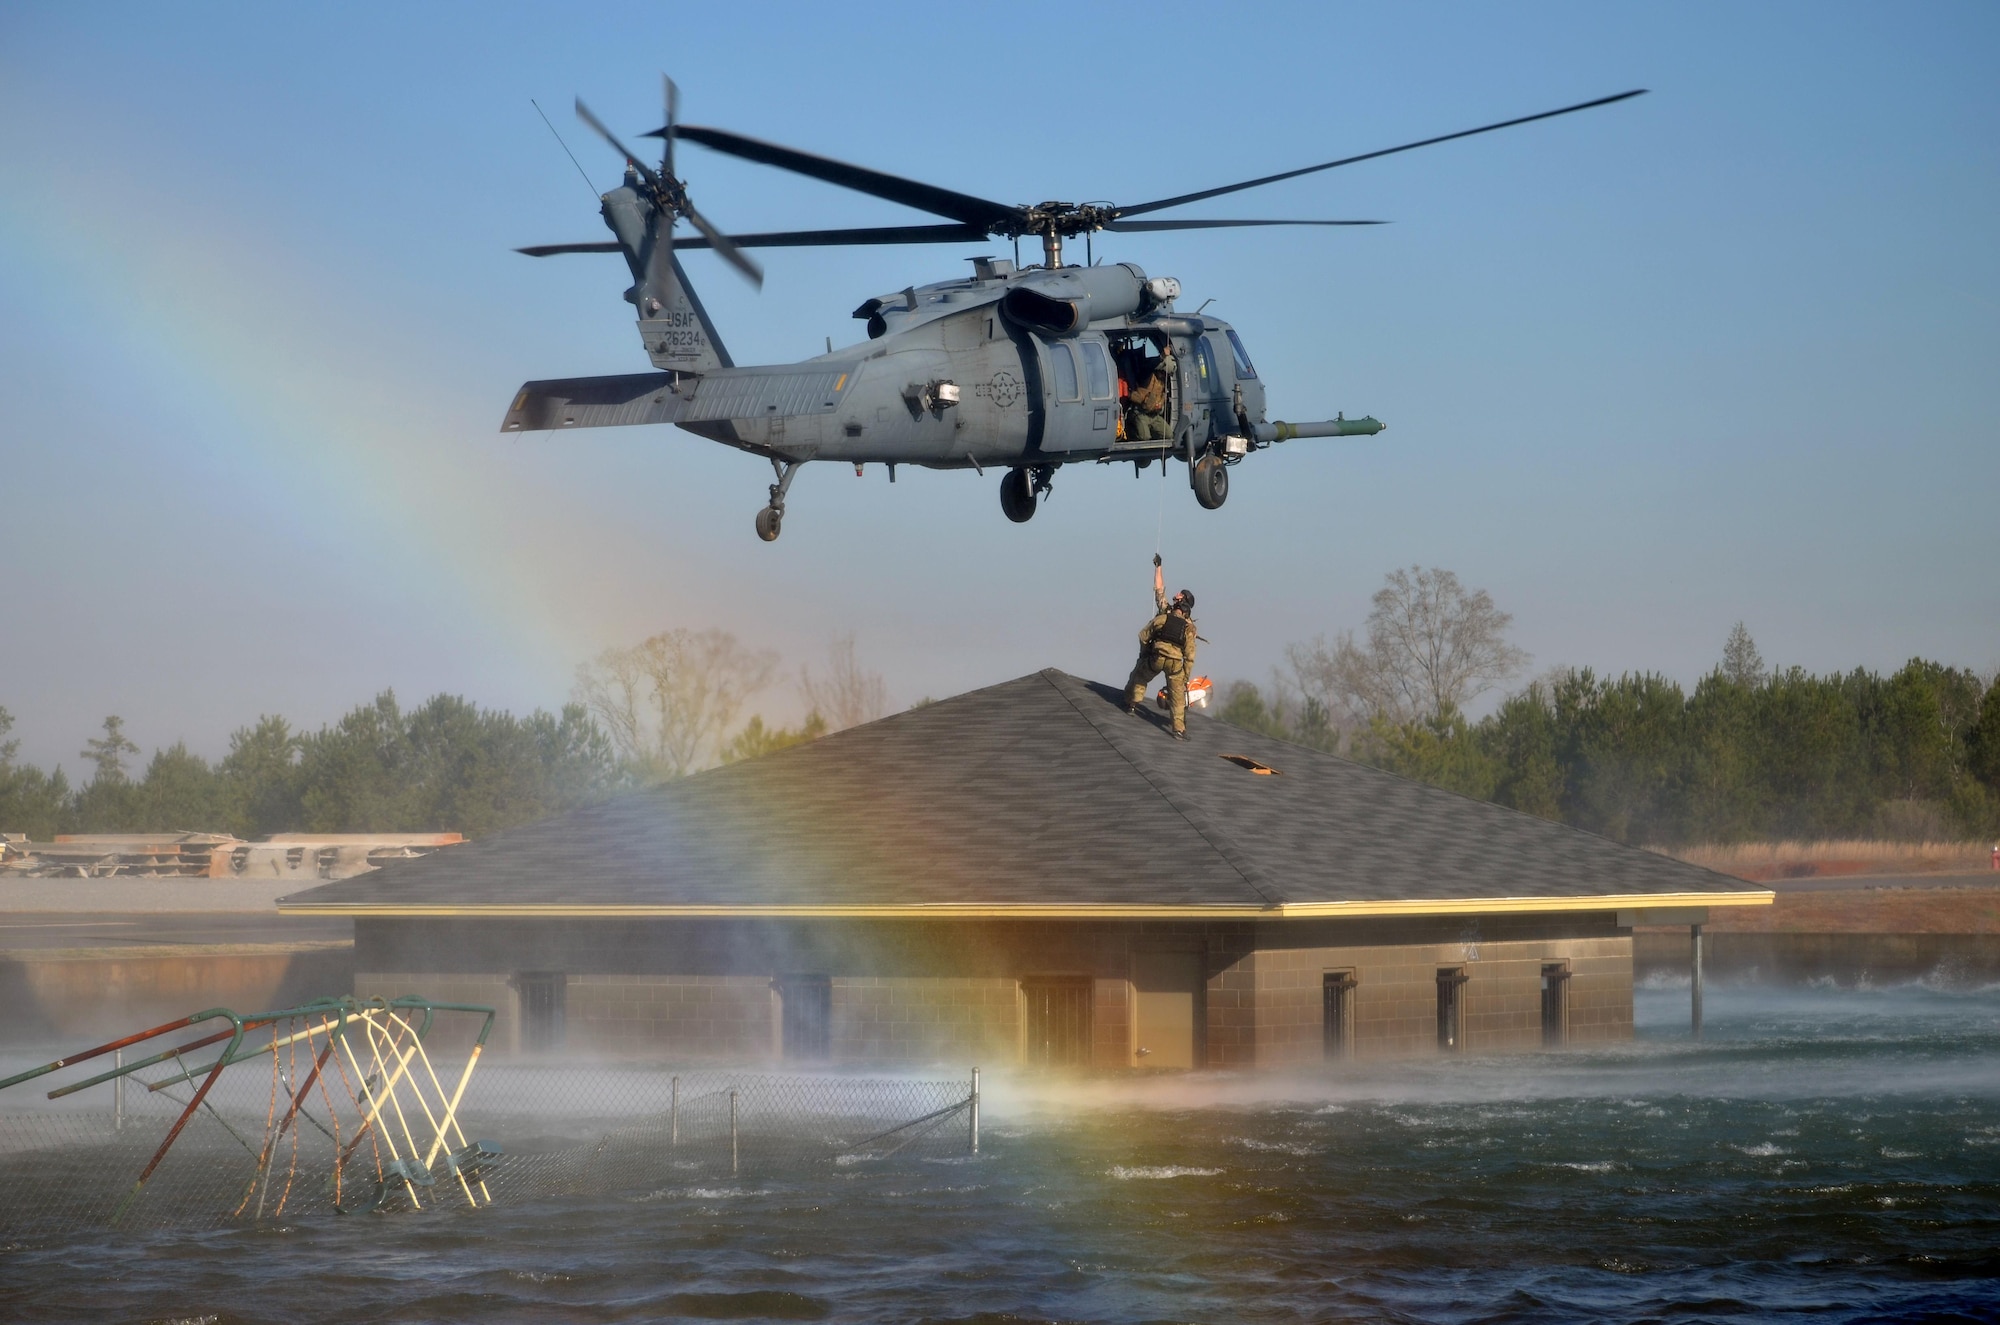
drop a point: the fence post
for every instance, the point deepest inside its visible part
(118, 1093)
(675, 1112)
(975, 1110)
(732, 1132)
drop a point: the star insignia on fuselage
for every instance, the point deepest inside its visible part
(1003, 390)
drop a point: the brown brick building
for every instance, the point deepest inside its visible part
(1024, 874)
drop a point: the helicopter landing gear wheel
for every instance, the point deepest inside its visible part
(771, 520)
(1211, 482)
(1017, 496)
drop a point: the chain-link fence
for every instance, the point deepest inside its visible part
(267, 1141)
(603, 1129)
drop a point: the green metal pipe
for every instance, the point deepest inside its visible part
(114, 1045)
(161, 1057)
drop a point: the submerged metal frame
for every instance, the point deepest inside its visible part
(385, 1024)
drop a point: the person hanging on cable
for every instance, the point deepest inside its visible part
(1166, 645)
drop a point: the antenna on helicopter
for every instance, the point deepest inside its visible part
(581, 172)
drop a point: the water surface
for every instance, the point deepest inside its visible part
(1825, 1154)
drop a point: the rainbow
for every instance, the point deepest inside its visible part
(306, 415)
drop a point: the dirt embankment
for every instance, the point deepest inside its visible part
(1859, 887)
(1888, 909)
(1771, 862)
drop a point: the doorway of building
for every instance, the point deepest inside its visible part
(1451, 1032)
(1166, 998)
(1336, 997)
(806, 1023)
(1056, 1021)
(1555, 987)
(542, 1007)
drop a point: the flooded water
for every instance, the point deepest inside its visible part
(1831, 1154)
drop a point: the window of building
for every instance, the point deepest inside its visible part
(1555, 1003)
(1451, 1001)
(806, 1024)
(1337, 1013)
(541, 1010)
(1065, 366)
(1057, 1021)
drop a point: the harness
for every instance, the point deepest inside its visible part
(1176, 630)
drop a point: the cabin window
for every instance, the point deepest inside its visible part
(806, 1023)
(1244, 372)
(542, 1000)
(1337, 1014)
(1450, 1008)
(1065, 365)
(1098, 369)
(1555, 1003)
(1211, 381)
(1056, 1022)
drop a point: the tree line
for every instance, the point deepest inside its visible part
(660, 709)
(1749, 753)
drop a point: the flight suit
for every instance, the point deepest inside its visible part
(1165, 645)
(1149, 406)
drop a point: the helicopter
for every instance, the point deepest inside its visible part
(1019, 368)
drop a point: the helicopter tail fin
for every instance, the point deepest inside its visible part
(677, 334)
(673, 326)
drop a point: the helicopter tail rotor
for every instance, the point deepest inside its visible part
(669, 195)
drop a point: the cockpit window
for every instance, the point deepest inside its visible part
(1243, 369)
(1205, 363)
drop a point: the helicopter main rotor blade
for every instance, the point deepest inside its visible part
(725, 249)
(961, 207)
(583, 113)
(872, 234)
(672, 96)
(1141, 227)
(1162, 203)
(550, 250)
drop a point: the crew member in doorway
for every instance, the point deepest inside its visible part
(1166, 645)
(1147, 403)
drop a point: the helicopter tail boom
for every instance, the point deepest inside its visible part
(750, 401)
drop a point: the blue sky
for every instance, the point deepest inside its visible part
(1724, 352)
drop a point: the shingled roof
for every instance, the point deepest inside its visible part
(1038, 796)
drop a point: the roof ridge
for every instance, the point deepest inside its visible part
(1203, 826)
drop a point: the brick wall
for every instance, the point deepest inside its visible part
(1395, 966)
(921, 991)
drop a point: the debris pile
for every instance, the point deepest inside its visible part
(211, 855)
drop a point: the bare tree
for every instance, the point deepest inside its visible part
(1432, 647)
(668, 701)
(1741, 662)
(844, 695)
